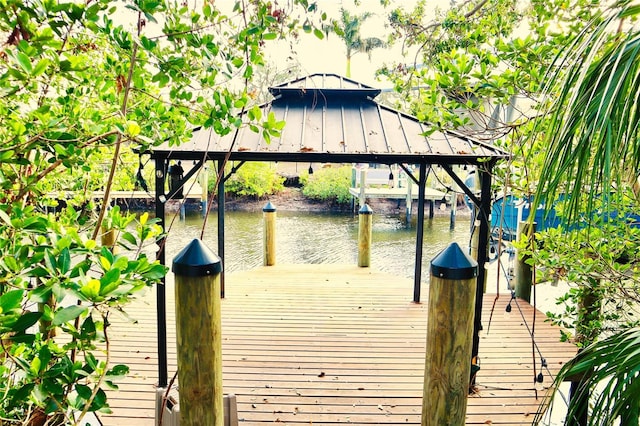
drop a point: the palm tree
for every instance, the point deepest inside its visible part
(593, 146)
(348, 29)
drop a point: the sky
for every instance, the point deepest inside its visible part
(329, 55)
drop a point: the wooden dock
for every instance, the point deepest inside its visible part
(337, 344)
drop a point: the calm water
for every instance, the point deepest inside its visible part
(319, 238)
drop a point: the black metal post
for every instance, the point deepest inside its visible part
(161, 307)
(221, 221)
(419, 233)
(484, 215)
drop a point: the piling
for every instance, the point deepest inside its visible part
(409, 201)
(269, 234)
(199, 343)
(108, 238)
(362, 198)
(522, 268)
(452, 296)
(454, 208)
(365, 225)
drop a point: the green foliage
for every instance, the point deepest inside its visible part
(567, 71)
(47, 265)
(611, 366)
(591, 157)
(481, 66)
(592, 135)
(83, 87)
(255, 180)
(328, 184)
(600, 265)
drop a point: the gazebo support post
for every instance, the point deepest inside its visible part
(484, 215)
(221, 180)
(160, 289)
(420, 233)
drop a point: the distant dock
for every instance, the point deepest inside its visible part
(382, 183)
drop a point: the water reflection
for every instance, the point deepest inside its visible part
(309, 238)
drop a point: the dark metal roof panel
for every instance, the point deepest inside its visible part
(321, 123)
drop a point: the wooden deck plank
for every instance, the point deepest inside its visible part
(336, 344)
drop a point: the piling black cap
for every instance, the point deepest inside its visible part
(196, 260)
(365, 210)
(454, 264)
(269, 208)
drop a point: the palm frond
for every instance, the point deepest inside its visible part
(609, 371)
(592, 134)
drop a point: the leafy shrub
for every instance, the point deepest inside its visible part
(328, 184)
(255, 179)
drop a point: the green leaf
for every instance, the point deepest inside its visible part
(40, 294)
(118, 370)
(109, 281)
(64, 261)
(318, 33)
(91, 289)
(24, 62)
(156, 272)
(35, 365)
(269, 36)
(11, 300)
(25, 321)
(11, 263)
(88, 328)
(68, 314)
(83, 391)
(5, 217)
(100, 401)
(22, 393)
(50, 261)
(129, 237)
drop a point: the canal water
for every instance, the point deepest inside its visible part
(317, 238)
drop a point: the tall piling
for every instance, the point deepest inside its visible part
(269, 234)
(523, 270)
(365, 226)
(452, 296)
(199, 342)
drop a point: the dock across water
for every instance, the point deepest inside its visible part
(337, 344)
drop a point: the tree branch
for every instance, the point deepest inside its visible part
(118, 144)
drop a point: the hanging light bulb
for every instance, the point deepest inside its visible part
(310, 169)
(391, 178)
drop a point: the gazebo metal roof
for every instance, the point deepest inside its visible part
(334, 119)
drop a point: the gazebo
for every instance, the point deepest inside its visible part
(333, 119)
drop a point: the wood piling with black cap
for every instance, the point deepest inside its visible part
(269, 234)
(365, 227)
(199, 342)
(452, 298)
